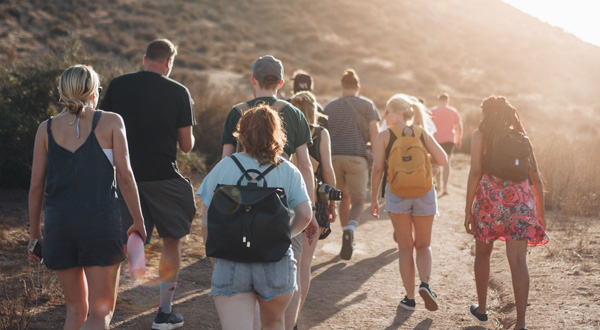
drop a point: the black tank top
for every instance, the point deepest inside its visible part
(81, 179)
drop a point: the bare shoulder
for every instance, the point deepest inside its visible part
(112, 119)
(477, 134)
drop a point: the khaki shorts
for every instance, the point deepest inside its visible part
(351, 174)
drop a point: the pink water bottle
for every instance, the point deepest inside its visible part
(135, 255)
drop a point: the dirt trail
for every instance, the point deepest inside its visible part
(364, 292)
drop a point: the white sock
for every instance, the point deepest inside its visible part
(352, 225)
(167, 291)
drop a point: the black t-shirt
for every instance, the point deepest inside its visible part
(153, 108)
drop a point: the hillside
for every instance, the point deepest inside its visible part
(468, 47)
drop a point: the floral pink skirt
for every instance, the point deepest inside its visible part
(506, 210)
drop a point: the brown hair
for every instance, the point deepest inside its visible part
(261, 133)
(307, 103)
(270, 82)
(350, 79)
(160, 49)
(76, 86)
(444, 97)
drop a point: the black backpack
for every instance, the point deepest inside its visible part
(509, 158)
(248, 223)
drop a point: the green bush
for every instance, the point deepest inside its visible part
(27, 98)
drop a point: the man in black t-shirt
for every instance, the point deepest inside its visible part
(158, 114)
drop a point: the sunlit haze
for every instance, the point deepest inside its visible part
(579, 17)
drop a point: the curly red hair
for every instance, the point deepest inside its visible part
(261, 132)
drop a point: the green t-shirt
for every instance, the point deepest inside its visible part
(294, 122)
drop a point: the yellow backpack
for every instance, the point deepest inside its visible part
(408, 165)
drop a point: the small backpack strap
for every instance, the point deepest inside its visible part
(242, 107)
(394, 133)
(239, 165)
(278, 105)
(260, 175)
(97, 116)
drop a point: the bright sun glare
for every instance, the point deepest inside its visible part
(579, 17)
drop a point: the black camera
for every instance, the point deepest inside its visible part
(330, 193)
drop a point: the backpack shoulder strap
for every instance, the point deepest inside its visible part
(419, 132)
(394, 133)
(239, 165)
(260, 175)
(242, 107)
(278, 105)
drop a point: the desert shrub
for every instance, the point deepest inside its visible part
(26, 99)
(28, 96)
(570, 170)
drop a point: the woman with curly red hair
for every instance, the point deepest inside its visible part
(501, 204)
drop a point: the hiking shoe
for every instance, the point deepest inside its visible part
(347, 244)
(481, 318)
(164, 321)
(429, 297)
(408, 304)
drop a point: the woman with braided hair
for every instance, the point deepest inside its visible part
(510, 210)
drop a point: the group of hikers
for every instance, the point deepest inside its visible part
(289, 168)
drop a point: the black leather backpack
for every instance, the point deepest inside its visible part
(248, 223)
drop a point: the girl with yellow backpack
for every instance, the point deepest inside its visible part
(405, 152)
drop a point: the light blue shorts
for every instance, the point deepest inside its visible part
(265, 279)
(420, 206)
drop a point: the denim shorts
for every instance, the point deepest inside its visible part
(420, 206)
(266, 279)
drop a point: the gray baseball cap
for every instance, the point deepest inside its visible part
(267, 66)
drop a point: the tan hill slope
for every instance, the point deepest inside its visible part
(468, 47)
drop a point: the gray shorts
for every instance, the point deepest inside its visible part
(169, 205)
(420, 206)
(266, 279)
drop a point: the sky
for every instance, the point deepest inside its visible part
(579, 17)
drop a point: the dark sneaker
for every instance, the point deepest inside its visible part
(429, 297)
(408, 304)
(347, 244)
(164, 321)
(482, 318)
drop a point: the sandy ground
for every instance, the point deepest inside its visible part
(364, 292)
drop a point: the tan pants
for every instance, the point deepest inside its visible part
(351, 174)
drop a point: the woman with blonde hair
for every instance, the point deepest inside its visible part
(320, 153)
(74, 160)
(503, 202)
(237, 286)
(406, 116)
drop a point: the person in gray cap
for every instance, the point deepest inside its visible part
(267, 79)
(304, 82)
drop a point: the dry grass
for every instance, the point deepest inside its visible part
(570, 168)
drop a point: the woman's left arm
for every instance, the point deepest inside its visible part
(327, 169)
(38, 184)
(438, 155)
(538, 189)
(204, 216)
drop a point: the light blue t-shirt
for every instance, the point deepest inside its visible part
(285, 175)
